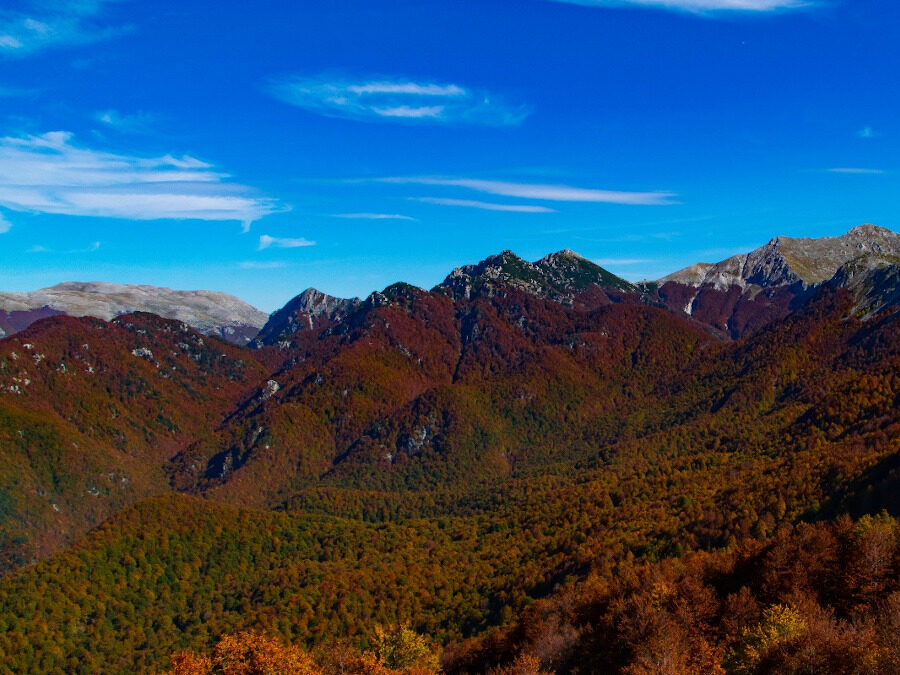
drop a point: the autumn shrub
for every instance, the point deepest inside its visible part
(246, 654)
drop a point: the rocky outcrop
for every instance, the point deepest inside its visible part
(741, 294)
(208, 312)
(311, 310)
(564, 277)
(874, 281)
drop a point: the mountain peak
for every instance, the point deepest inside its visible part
(313, 301)
(558, 276)
(742, 293)
(869, 229)
(789, 260)
(564, 254)
(309, 310)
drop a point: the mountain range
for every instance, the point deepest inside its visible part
(529, 460)
(735, 296)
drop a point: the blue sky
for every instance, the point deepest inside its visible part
(260, 148)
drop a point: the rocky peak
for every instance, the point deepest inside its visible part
(558, 276)
(565, 255)
(504, 268)
(572, 273)
(871, 231)
(741, 294)
(784, 261)
(310, 310)
(315, 303)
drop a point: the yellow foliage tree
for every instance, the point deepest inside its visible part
(780, 625)
(401, 648)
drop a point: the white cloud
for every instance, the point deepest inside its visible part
(372, 216)
(398, 100)
(51, 23)
(701, 6)
(867, 132)
(137, 123)
(50, 174)
(857, 171)
(417, 113)
(5, 225)
(265, 241)
(487, 206)
(411, 88)
(553, 193)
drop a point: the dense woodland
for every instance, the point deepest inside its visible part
(532, 485)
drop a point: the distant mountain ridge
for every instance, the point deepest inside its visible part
(734, 297)
(565, 277)
(209, 312)
(741, 294)
(786, 260)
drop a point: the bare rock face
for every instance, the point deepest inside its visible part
(745, 292)
(311, 310)
(209, 312)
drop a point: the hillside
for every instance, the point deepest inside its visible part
(89, 413)
(571, 473)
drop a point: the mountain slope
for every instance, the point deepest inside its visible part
(675, 455)
(310, 310)
(743, 293)
(89, 413)
(208, 312)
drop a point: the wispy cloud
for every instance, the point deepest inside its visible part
(259, 265)
(701, 6)
(94, 246)
(50, 174)
(867, 132)
(137, 123)
(5, 225)
(15, 92)
(372, 216)
(553, 193)
(265, 241)
(396, 100)
(487, 206)
(51, 23)
(857, 171)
